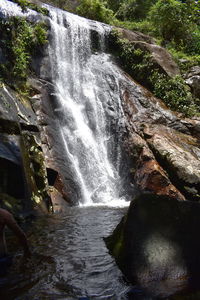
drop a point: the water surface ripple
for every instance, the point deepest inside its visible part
(70, 259)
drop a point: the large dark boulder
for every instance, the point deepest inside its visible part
(157, 242)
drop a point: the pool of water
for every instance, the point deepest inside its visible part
(70, 259)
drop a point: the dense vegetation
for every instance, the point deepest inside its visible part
(20, 39)
(174, 23)
(138, 62)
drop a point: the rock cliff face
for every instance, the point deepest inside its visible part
(23, 187)
(163, 146)
(44, 104)
(159, 56)
(155, 240)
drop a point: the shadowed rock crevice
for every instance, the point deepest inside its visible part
(22, 165)
(12, 181)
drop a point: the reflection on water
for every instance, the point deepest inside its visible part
(70, 261)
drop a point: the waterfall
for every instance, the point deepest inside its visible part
(8, 8)
(88, 107)
(86, 100)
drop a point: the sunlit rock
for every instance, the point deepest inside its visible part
(150, 176)
(193, 80)
(179, 154)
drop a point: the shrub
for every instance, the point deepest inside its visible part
(24, 4)
(139, 64)
(171, 20)
(95, 10)
(142, 26)
(134, 9)
(20, 39)
(136, 61)
(175, 93)
(192, 47)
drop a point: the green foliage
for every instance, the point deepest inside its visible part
(192, 46)
(114, 4)
(192, 8)
(184, 60)
(95, 10)
(171, 20)
(134, 9)
(143, 26)
(69, 5)
(136, 61)
(176, 23)
(175, 93)
(20, 39)
(139, 64)
(24, 4)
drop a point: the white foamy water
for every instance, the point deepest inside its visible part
(83, 94)
(8, 8)
(88, 105)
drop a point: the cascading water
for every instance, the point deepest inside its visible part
(70, 259)
(85, 104)
(88, 108)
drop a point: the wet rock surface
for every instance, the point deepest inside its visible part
(47, 111)
(150, 176)
(164, 147)
(179, 154)
(24, 186)
(154, 243)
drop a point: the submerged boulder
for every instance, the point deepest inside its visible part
(157, 241)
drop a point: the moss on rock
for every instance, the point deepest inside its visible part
(35, 171)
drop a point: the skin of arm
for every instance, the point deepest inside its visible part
(12, 224)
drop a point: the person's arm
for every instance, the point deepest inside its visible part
(12, 224)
